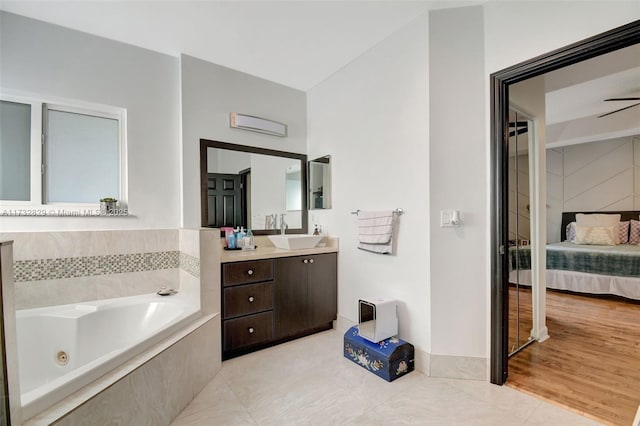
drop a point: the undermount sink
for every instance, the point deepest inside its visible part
(295, 241)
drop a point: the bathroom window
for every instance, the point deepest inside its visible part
(15, 151)
(53, 154)
(81, 155)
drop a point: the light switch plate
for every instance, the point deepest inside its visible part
(449, 218)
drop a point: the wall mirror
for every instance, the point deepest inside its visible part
(520, 235)
(252, 187)
(320, 183)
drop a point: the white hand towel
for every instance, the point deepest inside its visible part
(375, 231)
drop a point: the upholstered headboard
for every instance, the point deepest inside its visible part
(568, 217)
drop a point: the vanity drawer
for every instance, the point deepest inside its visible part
(248, 330)
(247, 272)
(247, 299)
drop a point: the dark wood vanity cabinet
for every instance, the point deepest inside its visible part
(272, 300)
(305, 294)
(247, 305)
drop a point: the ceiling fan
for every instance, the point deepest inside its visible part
(621, 109)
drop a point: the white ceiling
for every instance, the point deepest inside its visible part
(301, 43)
(295, 43)
(579, 90)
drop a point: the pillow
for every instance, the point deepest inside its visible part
(597, 219)
(634, 232)
(597, 235)
(571, 232)
(624, 232)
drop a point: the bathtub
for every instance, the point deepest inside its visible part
(63, 348)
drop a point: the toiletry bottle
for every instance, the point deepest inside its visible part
(231, 240)
(249, 241)
(240, 238)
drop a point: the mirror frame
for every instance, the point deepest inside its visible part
(618, 38)
(204, 208)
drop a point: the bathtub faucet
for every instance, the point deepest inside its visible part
(164, 291)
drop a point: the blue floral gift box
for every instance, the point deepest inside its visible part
(390, 358)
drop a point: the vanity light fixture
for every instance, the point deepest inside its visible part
(257, 124)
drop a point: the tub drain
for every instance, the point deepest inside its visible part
(62, 358)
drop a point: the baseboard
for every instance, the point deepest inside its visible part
(342, 324)
(544, 334)
(452, 367)
(458, 367)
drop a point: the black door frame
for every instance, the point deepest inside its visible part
(600, 44)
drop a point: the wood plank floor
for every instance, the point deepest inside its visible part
(591, 363)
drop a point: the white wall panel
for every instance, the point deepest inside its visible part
(555, 198)
(597, 165)
(625, 204)
(579, 156)
(606, 193)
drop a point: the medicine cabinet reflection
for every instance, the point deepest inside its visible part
(320, 183)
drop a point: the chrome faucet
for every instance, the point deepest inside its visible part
(283, 225)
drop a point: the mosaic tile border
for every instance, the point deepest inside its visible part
(75, 267)
(190, 264)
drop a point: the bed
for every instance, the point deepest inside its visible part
(593, 269)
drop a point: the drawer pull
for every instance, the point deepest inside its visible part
(251, 330)
(310, 260)
(305, 261)
(250, 272)
(251, 299)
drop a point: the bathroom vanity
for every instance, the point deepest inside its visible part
(272, 295)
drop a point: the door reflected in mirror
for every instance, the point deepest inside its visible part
(252, 188)
(293, 188)
(320, 183)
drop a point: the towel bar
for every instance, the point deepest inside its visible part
(399, 211)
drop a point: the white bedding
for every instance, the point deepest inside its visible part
(582, 282)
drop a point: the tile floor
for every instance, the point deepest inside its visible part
(309, 382)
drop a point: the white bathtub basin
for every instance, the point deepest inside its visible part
(93, 338)
(295, 241)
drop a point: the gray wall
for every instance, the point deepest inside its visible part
(49, 61)
(209, 93)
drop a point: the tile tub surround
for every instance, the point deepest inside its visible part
(10, 330)
(198, 353)
(87, 266)
(72, 244)
(151, 388)
(73, 266)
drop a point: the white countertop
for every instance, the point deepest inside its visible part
(266, 250)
